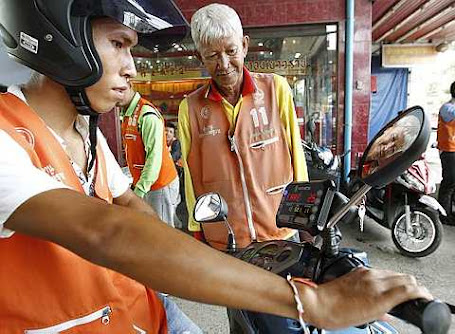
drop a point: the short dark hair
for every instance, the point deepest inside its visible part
(452, 89)
(171, 125)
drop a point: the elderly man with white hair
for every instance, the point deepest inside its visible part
(239, 134)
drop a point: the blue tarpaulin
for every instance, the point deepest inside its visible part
(390, 96)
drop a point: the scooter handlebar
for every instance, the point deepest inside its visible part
(430, 316)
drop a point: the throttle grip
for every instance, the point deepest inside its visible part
(432, 317)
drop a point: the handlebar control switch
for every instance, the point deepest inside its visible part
(432, 317)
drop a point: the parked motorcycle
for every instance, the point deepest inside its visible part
(321, 163)
(405, 207)
(316, 207)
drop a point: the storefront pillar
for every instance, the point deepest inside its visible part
(350, 18)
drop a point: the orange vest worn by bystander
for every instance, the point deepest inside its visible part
(135, 152)
(46, 288)
(249, 168)
(446, 135)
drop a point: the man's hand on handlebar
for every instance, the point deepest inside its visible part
(359, 297)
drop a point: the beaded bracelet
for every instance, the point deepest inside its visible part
(300, 309)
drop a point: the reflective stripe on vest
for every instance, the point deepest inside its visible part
(249, 169)
(135, 151)
(46, 286)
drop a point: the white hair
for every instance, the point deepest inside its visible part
(214, 22)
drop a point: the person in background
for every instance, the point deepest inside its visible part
(239, 134)
(446, 145)
(173, 143)
(155, 177)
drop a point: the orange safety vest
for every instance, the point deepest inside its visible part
(45, 287)
(446, 135)
(251, 174)
(135, 152)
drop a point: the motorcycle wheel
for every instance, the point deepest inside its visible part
(426, 232)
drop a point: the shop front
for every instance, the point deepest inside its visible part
(302, 40)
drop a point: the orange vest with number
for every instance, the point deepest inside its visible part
(135, 152)
(48, 289)
(251, 173)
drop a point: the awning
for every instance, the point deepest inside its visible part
(413, 21)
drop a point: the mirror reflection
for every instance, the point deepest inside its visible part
(208, 207)
(391, 144)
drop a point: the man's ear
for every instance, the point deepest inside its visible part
(245, 44)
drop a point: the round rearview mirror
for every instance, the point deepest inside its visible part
(210, 207)
(401, 142)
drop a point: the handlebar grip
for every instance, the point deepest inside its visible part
(430, 316)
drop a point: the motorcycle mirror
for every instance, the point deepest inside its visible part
(395, 147)
(210, 207)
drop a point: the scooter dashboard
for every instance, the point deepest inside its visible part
(306, 205)
(281, 257)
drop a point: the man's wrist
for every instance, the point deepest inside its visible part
(308, 297)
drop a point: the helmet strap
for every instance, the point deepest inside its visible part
(82, 104)
(93, 127)
(80, 101)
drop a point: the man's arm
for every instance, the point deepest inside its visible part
(185, 145)
(152, 129)
(167, 260)
(138, 244)
(289, 119)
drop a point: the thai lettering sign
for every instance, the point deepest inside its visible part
(278, 66)
(167, 71)
(407, 55)
(175, 70)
